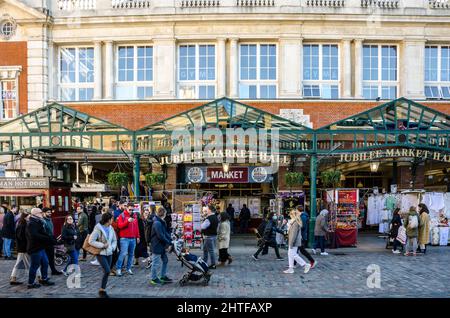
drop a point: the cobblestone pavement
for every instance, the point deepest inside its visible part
(343, 273)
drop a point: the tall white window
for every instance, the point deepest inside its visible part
(76, 73)
(197, 71)
(258, 71)
(8, 98)
(134, 72)
(321, 71)
(380, 78)
(437, 72)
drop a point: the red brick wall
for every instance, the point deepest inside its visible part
(136, 116)
(15, 53)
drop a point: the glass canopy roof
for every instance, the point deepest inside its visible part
(225, 113)
(399, 114)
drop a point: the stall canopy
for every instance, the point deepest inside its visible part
(222, 114)
(57, 127)
(399, 123)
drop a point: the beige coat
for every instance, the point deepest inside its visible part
(424, 228)
(295, 235)
(223, 235)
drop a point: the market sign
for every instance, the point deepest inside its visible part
(395, 153)
(233, 175)
(89, 187)
(24, 183)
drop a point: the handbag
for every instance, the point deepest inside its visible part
(89, 248)
(401, 236)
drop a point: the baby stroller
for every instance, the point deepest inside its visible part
(196, 271)
(61, 256)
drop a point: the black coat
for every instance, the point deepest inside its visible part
(68, 236)
(91, 218)
(21, 238)
(37, 237)
(142, 228)
(396, 223)
(270, 232)
(9, 226)
(245, 214)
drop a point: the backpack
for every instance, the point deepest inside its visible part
(413, 222)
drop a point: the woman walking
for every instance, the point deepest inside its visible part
(72, 242)
(424, 228)
(294, 242)
(23, 259)
(412, 224)
(223, 238)
(104, 237)
(142, 247)
(396, 223)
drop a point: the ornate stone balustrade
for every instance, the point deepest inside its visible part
(325, 3)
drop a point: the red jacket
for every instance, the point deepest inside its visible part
(127, 229)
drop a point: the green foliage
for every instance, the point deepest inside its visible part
(154, 178)
(331, 178)
(293, 179)
(117, 179)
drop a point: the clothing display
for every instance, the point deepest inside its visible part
(447, 204)
(409, 200)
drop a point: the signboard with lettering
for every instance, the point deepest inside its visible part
(24, 183)
(233, 175)
(395, 153)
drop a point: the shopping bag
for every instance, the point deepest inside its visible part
(401, 236)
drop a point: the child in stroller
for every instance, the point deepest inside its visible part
(61, 256)
(198, 269)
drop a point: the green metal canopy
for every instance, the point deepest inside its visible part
(56, 127)
(398, 123)
(222, 114)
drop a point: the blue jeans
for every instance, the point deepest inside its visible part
(320, 242)
(73, 258)
(38, 259)
(156, 263)
(127, 246)
(7, 246)
(105, 262)
(209, 248)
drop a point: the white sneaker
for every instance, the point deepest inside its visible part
(95, 262)
(307, 268)
(289, 271)
(119, 272)
(313, 250)
(324, 253)
(396, 252)
(130, 272)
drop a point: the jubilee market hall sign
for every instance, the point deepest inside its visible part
(395, 153)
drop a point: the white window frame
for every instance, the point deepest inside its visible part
(197, 82)
(380, 83)
(259, 82)
(134, 83)
(77, 84)
(438, 83)
(320, 82)
(16, 108)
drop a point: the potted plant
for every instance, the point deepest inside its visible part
(293, 179)
(154, 178)
(331, 178)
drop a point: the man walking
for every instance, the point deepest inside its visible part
(244, 218)
(230, 212)
(160, 240)
(305, 226)
(8, 232)
(129, 234)
(209, 231)
(83, 227)
(37, 241)
(50, 249)
(320, 231)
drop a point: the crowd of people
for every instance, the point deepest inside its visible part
(118, 238)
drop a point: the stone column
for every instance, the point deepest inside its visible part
(98, 70)
(358, 68)
(291, 67)
(165, 72)
(346, 68)
(412, 63)
(234, 68)
(221, 68)
(109, 70)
